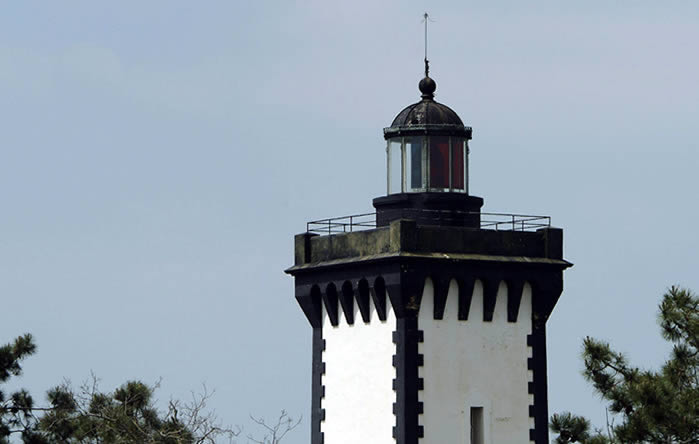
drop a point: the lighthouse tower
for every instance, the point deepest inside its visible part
(429, 316)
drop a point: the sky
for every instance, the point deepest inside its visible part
(156, 159)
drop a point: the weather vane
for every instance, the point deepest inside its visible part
(425, 20)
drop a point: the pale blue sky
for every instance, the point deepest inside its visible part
(156, 159)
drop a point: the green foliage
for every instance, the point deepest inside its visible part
(126, 415)
(12, 354)
(16, 409)
(89, 416)
(653, 406)
(570, 428)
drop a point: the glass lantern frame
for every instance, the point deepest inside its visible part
(425, 156)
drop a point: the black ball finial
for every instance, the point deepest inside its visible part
(427, 88)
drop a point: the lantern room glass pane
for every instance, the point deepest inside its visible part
(413, 153)
(439, 162)
(394, 166)
(457, 164)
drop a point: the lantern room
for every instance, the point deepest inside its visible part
(427, 147)
(427, 166)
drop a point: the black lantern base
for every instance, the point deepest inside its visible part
(443, 209)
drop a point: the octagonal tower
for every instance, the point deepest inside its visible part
(429, 316)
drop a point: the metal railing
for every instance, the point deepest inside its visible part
(488, 221)
(514, 222)
(344, 224)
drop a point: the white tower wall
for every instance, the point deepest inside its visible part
(358, 379)
(473, 363)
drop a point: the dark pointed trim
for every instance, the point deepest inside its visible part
(466, 286)
(310, 299)
(514, 298)
(378, 294)
(330, 300)
(363, 296)
(490, 292)
(347, 302)
(441, 291)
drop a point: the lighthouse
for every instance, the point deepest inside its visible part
(428, 315)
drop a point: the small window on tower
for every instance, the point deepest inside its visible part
(477, 425)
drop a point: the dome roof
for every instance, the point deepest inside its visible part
(427, 116)
(426, 112)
